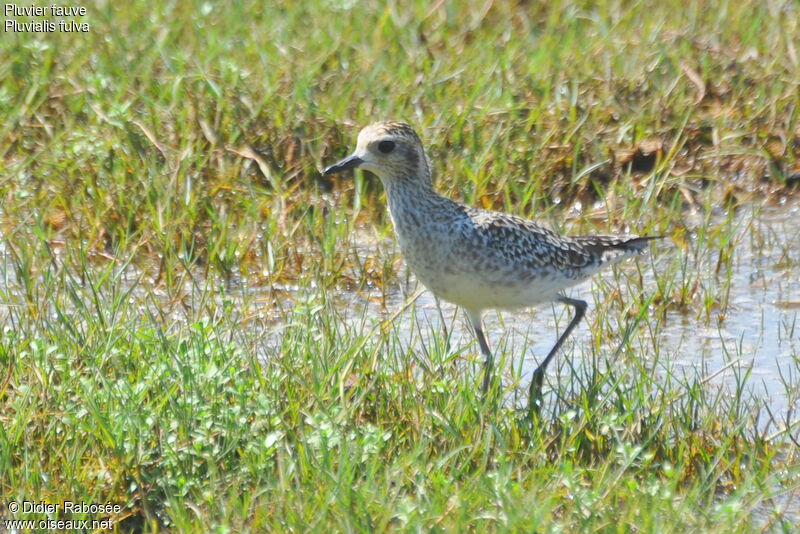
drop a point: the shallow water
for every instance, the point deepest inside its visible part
(760, 331)
(752, 328)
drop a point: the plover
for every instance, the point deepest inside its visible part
(474, 258)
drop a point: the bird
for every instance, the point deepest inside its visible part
(476, 258)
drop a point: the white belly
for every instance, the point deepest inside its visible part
(476, 292)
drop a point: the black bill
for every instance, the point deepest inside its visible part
(350, 162)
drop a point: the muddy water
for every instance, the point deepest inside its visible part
(751, 325)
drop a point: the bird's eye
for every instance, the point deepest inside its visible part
(386, 146)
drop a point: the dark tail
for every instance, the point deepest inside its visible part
(610, 249)
(637, 243)
(603, 242)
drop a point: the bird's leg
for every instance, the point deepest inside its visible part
(538, 374)
(475, 319)
(488, 362)
(443, 323)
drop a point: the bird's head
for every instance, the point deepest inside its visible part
(391, 150)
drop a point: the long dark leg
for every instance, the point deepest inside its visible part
(488, 363)
(538, 375)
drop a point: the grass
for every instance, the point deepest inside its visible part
(199, 327)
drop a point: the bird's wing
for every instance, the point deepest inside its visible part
(510, 239)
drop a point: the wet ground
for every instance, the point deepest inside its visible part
(742, 325)
(751, 326)
(748, 333)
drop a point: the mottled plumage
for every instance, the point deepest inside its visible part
(475, 258)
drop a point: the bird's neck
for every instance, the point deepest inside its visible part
(404, 192)
(417, 211)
